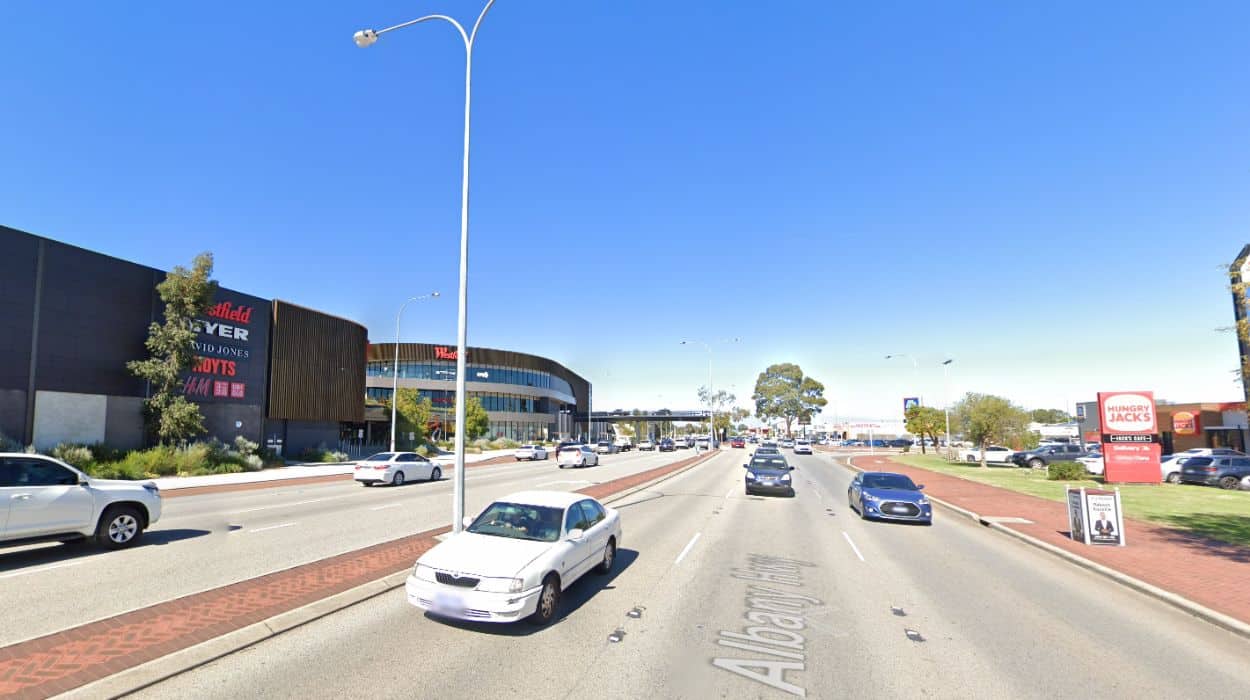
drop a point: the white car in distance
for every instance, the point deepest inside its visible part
(46, 499)
(802, 447)
(1093, 464)
(577, 456)
(646, 446)
(395, 468)
(516, 559)
(530, 452)
(993, 453)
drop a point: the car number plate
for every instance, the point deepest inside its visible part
(448, 603)
(899, 509)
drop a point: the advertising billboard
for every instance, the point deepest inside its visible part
(1130, 443)
(231, 347)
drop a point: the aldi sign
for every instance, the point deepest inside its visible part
(1130, 444)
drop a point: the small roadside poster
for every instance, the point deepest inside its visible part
(1096, 517)
(1076, 514)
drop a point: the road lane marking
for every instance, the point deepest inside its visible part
(40, 569)
(689, 544)
(286, 505)
(267, 528)
(848, 541)
(549, 483)
(731, 492)
(388, 505)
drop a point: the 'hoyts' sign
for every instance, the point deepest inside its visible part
(1128, 412)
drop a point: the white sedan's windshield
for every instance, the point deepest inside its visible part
(519, 521)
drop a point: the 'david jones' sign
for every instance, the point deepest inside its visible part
(1130, 446)
(230, 345)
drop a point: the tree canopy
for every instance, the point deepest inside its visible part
(926, 421)
(986, 419)
(783, 392)
(1049, 416)
(414, 413)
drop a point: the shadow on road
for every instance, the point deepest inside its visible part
(77, 549)
(573, 599)
(1215, 534)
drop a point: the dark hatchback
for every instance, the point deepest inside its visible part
(888, 496)
(1218, 470)
(768, 474)
(667, 445)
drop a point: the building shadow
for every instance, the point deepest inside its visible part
(54, 552)
(574, 597)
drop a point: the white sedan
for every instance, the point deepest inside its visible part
(577, 456)
(530, 452)
(516, 559)
(993, 453)
(1093, 463)
(395, 468)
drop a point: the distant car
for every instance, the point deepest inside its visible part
(768, 443)
(703, 443)
(993, 453)
(577, 456)
(737, 442)
(753, 440)
(802, 447)
(530, 452)
(786, 443)
(1225, 471)
(604, 447)
(1170, 465)
(1093, 463)
(624, 444)
(766, 450)
(768, 474)
(395, 468)
(45, 499)
(514, 560)
(684, 443)
(1245, 484)
(877, 443)
(1043, 456)
(888, 496)
(646, 446)
(900, 442)
(667, 445)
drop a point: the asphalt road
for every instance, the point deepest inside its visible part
(838, 607)
(202, 542)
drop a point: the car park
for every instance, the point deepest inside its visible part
(768, 474)
(802, 447)
(646, 446)
(530, 452)
(46, 499)
(395, 468)
(737, 442)
(1225, 471)
(889, 496)
(667, 445)
(1043, 456)
(577, 456)
(993, 453)
(515, 560)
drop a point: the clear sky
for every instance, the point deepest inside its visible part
(1046, 194)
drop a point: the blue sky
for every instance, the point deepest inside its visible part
(1045, 194)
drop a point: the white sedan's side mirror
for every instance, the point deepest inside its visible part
(468, 520)
(576, 534)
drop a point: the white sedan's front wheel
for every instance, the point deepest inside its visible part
(548, 601)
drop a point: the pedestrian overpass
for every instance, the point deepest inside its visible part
(660, 416)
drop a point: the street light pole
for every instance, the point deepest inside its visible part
(711, 430)
(946, 371)
(395, 367)
(915, 372)
(365, 38)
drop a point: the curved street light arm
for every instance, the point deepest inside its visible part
(427, 18)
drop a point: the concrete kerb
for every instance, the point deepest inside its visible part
(1196, 609)
(170, 665)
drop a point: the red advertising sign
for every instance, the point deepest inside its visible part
(1130, 448)
(1184, 423)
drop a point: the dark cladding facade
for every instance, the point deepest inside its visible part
(526, 397)
(70, 320)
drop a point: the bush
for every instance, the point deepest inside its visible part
(115, 470)
(244, 446)
(8, 444)
(1066, 471)
(74, 455)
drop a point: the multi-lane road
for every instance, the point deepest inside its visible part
(737, 596)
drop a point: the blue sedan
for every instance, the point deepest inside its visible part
(889, 496)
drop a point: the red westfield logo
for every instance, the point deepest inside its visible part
(229, 312)
(443, 353)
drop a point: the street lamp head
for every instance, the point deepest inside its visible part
(948, 362)
(434, 294)
(365, 37)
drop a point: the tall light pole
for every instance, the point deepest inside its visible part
(946, 371)
(711, 429)
(367, 37)
(395, 368)
(915, 371)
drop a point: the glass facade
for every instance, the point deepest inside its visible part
(491, 400)
(446, 371)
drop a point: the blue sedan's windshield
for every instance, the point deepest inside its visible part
(888, 481)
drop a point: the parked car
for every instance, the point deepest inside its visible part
(395, 468)
(577, 456)
(1043, 456)
(646, 446)
(530, 452)
(802, 447)
(46, 499)
(667, 445)
(876, 443)
(993, 453)
(737, 442)
(888, 496)
(514, 560)
(605, 447)
(902, 442)
(768, 474)
(1245, 484)
(1224, 471)
(1093, 463)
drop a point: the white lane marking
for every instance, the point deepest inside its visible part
(689, 544)
(848, 541)
(549, 483)
(286, 505)
(388, 505)
(270, 527)
(40, 569)
(731, 492)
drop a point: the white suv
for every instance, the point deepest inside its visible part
(45, 499)
(802, 447)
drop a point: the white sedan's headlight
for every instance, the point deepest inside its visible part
(501, 585)
(423, 573)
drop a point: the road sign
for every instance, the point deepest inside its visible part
(910, 402)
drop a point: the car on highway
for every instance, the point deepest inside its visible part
(645, 446)
(993, 453)
(530, 452)
(787, 443)
(1225, 471)
(515, 560)
(889, 496)
(703, 444)
(684, 443)
(802, 447)
(768, 443)
(768, 474)
(605, 447)
(667, 445)
(763, 450)
(1043, 456)
(577, 456)
(737, 442)
(45, 499)
(395, 468)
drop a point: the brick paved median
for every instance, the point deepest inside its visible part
(1212, 573)
(59, 662)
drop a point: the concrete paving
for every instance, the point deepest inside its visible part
(759, 597)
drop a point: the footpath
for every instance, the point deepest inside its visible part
(1177, 567)
(120, 654)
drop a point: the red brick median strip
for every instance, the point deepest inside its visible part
(59, 662)
(1210, 573)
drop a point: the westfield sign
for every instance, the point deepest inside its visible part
(445, 353)
(227, 311)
